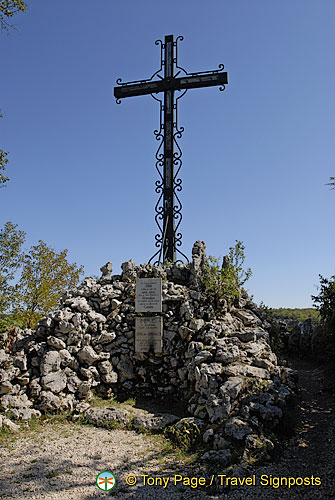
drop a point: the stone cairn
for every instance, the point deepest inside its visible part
(218, 362)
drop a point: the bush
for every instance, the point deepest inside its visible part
(226, 281)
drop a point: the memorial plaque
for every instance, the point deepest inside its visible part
(148, 295)
(149, 335)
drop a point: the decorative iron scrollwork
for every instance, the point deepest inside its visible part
(176, 181)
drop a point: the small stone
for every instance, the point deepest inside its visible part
(193, 349)
(66, 358)
(219, 442)
(54, 381)
(107, 270)
(102, 417)
(49, 401)
(78, 303)
(35, 388)
(237, 428)
(6, 422)
(109, 378)
(94, 316)
(153, 422)
(248, 317)
(222, 456)
(84, 389)
(228, 355)
(245, 336)
(196, 324)
(88, 355)
(20, 361)
(125, 370)
(56, 343)
(185, 332)
(5, 387)
(208, 436)
(106, 337)
(50, 362)
(232, 387)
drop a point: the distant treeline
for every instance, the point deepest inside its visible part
(296, 315)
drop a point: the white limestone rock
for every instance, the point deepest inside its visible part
(54, 381)
(50, 362)
(88, 355)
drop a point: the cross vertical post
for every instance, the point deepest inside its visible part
(169, 251)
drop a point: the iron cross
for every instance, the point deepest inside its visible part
(168, 157)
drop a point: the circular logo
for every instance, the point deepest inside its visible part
(105, 480)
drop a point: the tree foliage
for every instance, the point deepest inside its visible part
(227, 280)
(296, 315)
(332, 182)
(326, 299)
(8, 8)
(31, 283)
(236, 258)
(11, 256)
(3, 163)
(45, 275)
(325, 303)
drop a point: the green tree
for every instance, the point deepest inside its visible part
(11, 256)
(326, 299)
(325, 303)
(3, 163)
(45, 275)
(296, 315)
(7, 10)
(236, 259)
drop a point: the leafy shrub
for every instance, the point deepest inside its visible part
(227, 280)
(185, 434)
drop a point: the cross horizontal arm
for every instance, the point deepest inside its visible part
(138, 89)
(197, 81)
(186, 82)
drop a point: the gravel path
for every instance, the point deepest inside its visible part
(56, 462)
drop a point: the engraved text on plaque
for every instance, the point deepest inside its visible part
(149, 335)
(148, 295)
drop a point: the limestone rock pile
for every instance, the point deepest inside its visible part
(218, 361)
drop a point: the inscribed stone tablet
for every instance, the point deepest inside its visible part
(149, 334)
(148, 295)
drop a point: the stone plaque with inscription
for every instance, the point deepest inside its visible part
(148, 295)
(149, 335)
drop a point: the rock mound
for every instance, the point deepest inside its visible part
(217, 360)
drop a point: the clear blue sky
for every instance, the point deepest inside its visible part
(256, 157)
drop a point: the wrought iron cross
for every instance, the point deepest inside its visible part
(168, 163)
